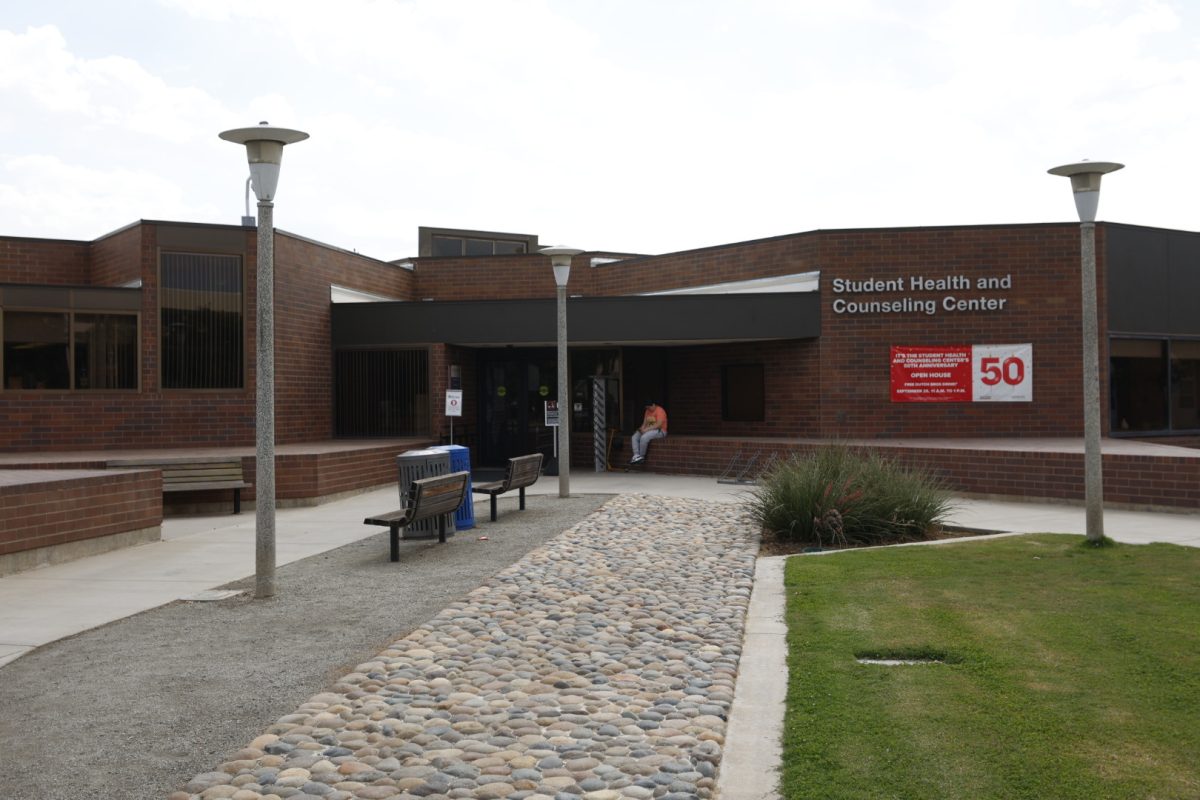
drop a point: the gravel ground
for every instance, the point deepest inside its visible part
(136, 708)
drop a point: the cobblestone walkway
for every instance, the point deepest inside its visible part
(600, 666)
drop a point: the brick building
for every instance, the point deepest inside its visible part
(144, 338)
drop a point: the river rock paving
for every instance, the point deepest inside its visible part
(600, 666)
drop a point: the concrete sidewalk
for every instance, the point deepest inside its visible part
(198, 553)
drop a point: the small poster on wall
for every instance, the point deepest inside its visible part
(962, 373)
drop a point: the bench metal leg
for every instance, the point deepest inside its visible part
(395, 536)
(522, 490)
(442, 528)
(493, 496)
(237, 501)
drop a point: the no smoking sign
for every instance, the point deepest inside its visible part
(454, 402)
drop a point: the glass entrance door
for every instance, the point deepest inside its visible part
(514, 385)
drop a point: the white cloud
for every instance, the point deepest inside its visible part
(623, 125)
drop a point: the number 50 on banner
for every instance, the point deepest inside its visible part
(1002, 373)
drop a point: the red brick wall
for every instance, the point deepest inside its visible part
(762, 258)
(118, 258)
(149, 417)
(848, 395)
(512, 277)
(44, 261)
(851, 391)
(1129, 480)
(304, 271)
(790, 384)
(154, 418)
(70, 508)
(1043, 308)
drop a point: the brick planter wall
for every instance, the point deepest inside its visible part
(57, 515)
(1138, 481)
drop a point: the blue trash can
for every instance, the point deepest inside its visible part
(460, 461)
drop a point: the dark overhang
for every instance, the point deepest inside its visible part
(1153, 281)
(658, 319)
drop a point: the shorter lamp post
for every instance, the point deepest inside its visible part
(1085, 183)
(264, 149)
(560, 259)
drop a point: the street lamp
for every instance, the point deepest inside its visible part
(560, 259)
(264, 149)
(1085, 183)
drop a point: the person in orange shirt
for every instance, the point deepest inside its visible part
(654, 426)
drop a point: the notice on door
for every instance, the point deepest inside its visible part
(962, 374)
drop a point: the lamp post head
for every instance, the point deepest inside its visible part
(264, 150)
(1085, 183)
(560, 259)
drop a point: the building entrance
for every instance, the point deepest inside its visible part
(514, 386)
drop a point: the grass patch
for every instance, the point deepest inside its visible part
(1067, 672)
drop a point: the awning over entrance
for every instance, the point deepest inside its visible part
(694, 319)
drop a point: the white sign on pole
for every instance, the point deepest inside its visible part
(552, 414)
(454, 402)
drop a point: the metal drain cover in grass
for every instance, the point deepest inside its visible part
(906, 656)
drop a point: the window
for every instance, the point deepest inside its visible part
(1185, 385)
(36, 355)
(459, 246)
(1155, 385)
(743, 398)
(1139, 384)
(201, 316)
(447, 246)
(103, 353)
(106, 351)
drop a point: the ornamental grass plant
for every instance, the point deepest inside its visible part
(842, 497)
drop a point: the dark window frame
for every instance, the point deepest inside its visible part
(1167, 362)
(70, 368)
(184, 377)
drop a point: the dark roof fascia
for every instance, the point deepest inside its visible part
(676, 319)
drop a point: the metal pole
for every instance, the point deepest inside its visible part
(264, 411)
(1093, 480)
(564, 401)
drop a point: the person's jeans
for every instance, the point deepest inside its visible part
(641, 441)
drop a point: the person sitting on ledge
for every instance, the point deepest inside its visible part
(654, 426)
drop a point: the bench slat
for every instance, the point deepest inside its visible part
(200, 486)
(202, 475)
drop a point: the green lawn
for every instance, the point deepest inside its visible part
(1070, 672)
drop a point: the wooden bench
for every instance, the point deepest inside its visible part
(428, 497)
(522, 471)
(193, 474)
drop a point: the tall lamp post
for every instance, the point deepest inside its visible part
(264, 149)
(560, 259)
(1085, 183)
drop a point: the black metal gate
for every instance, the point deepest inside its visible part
(381, 393)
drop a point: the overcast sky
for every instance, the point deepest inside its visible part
(625, 125)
